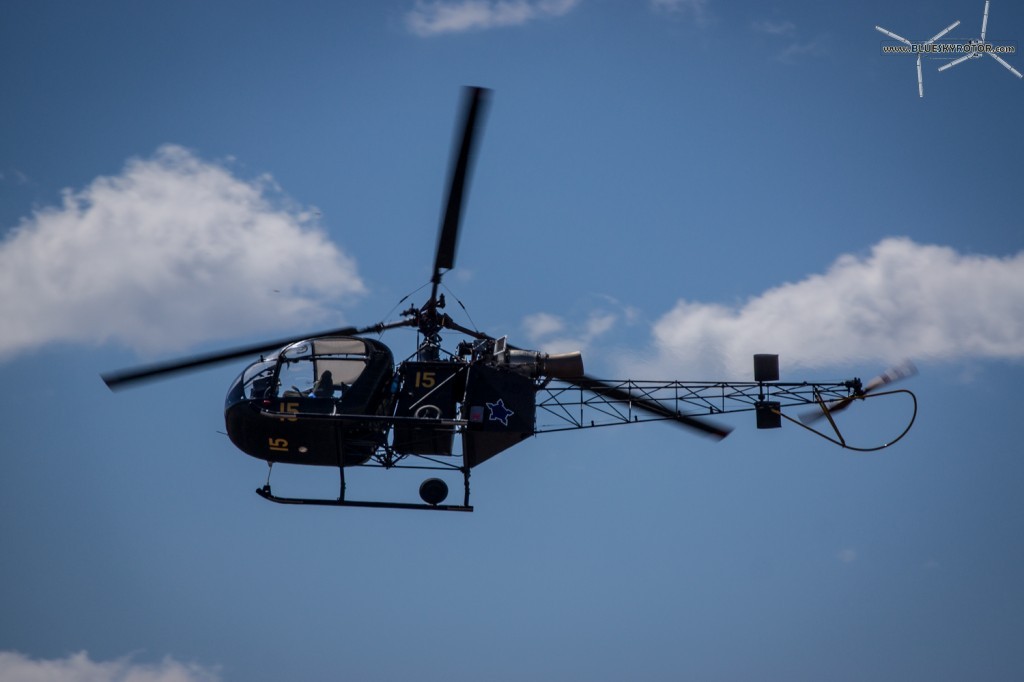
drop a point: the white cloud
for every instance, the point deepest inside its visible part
(776, 28)
(698, 9)
(902, 300)
(456, 16)
(542, 324)
(811, 48)
(15, 667)
(551, 334)
(171, 251)
(797, 47)
(14, 176)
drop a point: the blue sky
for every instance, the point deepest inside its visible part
(669, 186)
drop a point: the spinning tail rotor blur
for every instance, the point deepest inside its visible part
(904, 370)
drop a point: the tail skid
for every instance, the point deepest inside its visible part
(839, 439)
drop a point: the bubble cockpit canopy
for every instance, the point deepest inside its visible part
(315, 368)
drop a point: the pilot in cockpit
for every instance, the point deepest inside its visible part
(324, 387)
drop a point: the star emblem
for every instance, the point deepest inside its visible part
(499, 413)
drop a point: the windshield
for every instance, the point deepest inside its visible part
(258, 379)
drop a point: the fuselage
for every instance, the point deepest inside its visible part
(316, 379)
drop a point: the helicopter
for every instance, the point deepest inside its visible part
(338, 399)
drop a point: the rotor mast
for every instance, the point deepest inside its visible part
(429, 320)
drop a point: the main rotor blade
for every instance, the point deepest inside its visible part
(943, 32)
(474, 101)
(984, 22)
(894, 36)
(1002, 61)
(160, 370)
(955, 62)
(605, 390)
(920, 80)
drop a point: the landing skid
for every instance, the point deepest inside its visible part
(266, 494)
(433, 491)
